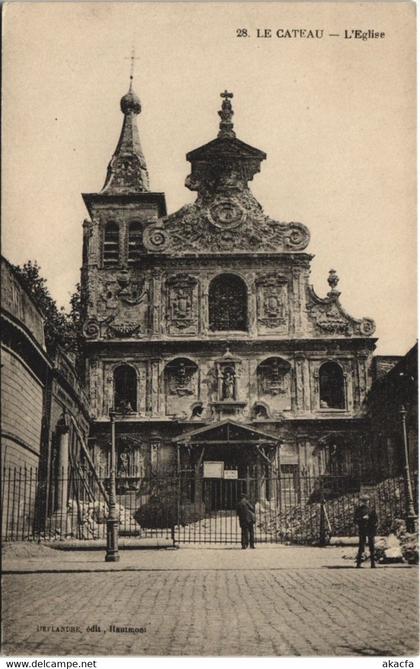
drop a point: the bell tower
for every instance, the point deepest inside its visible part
(117, 284)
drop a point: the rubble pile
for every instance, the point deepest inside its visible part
(87, 520)
(297, 523)
(388, 549)
(301, 522)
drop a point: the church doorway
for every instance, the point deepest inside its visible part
(228, 459)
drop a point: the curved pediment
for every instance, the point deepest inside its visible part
(224, 225)
(330, 319)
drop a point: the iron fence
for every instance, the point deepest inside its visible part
(187, 508)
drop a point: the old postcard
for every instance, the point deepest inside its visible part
(209, 359)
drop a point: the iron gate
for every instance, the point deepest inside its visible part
(187, 508)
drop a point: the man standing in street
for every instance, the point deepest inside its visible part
(366, 520)
(246, 515)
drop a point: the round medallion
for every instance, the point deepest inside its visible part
(155, 238)
(367, 327)
(226, 214)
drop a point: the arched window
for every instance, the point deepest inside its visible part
(228, 303)
(111, 244)
(135, 243)
(331, 386)
(125, 389)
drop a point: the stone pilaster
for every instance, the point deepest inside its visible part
(156, 302)
(362, 381)
(296, 301)
(154, 387)
(204, 306)
(252, 309)
(298, 397)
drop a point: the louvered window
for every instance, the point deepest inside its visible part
(135, 243)
(111, 245)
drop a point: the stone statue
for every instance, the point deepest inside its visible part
(228, 384)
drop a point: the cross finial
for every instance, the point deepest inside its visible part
(132, 58)
(226, 113)
(226, 95)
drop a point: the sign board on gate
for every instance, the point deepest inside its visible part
(213, 470)
(231, 474)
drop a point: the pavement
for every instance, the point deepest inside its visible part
(208, 601)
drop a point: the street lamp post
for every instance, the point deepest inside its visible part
(112, 522)
(411, 514)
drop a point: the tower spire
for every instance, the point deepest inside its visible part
(127, 170)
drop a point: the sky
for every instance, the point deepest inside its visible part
(335, 116)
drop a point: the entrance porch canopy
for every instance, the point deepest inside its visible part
(226, 432)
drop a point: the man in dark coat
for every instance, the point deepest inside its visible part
(246, 515)
(366, 519)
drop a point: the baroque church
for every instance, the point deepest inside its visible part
(202, 330)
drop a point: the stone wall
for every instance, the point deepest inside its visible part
(270, 384)
(16, 301)
(22, 407)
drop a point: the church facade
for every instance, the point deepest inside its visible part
(202, 330)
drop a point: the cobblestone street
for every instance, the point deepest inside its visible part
(312, 603)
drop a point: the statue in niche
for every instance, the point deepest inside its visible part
(228, 384)
(124, 463)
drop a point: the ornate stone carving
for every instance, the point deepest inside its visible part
(122, 304)
(224, 224)
(131, 291)
(155, 239)
(181, 301)
(179, 374)
(272, 374)
(367, 326)
(226, 213)
(123, 288)
(124, 328)
(329, 317)
(91, 329)
(272, 301)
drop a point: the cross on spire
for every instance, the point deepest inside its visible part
(133, 57)
(226, 114)
(226, 95)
